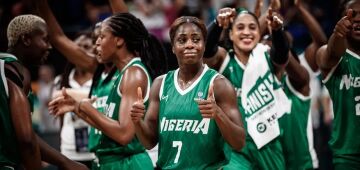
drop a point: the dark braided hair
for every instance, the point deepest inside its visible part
(139, 41)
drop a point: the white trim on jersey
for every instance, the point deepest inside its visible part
(239, 63)
(3, 77)
(212, 82)
(327, 78)
(122, 72)
(224, 63)
(162, 85)
(183, 92)
(353, 54)
(294, 91)
(310, 139)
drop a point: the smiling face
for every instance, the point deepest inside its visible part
(39, 45)
(245, 33)
(355, 32)
(188, 44)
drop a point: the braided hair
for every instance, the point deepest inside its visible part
(139, 41)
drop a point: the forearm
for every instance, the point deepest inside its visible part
(298, 75)
(213, 37)
(30, 154)
(111, 128)
(146, 135)
(50, 155)
(280, 48)
(118, 6)
(335, 49)
(234, 134)
(314, 27)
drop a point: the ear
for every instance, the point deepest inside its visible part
(25, 39)
(119, 42)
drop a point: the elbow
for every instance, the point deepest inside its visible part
(239, 145)
(150, 145)
(124, 139)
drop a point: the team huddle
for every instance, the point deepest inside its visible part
(239, 102)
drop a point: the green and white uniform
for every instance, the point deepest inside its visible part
(101, 91)
(343, 84)
(9, 153)
(296, 147)
(269, 156)
(186, 139)
(112, 155)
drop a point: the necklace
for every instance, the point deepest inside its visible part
(185, 84)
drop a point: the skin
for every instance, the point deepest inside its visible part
(32, 49)
(70, 49)
(27, 142)
(189, 48)
(111, 49)
(245, 35)
(346, 35)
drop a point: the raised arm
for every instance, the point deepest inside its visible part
(317, 34)
(214, 54)
(147, 129)
(329, 55)
(73, 53)
(221, 105)
(298, 76)
(118, 6)
(21, 119)
(279, 52)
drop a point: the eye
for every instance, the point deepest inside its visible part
(181, 40)
(196, 39)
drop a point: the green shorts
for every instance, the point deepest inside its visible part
(268, 157)
(133, 162)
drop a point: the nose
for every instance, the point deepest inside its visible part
(189, 44)
(246, 31)
(97, 43)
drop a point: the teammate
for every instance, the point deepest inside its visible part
(28, 41)
(192, 110)
(339, 62)
(233, 64)
(122, 39)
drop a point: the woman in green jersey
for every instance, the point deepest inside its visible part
(339, 62)
(27, 46)
(192, 110)
(125, 42)
(244, 34)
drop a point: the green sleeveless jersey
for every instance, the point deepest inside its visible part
(343, 84)
(270, 155)
(296, 147)
(186, 139)
(9, 153)
(107, 146)
(101, 91)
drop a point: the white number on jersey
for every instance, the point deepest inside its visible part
(177, 144)
(357, 106)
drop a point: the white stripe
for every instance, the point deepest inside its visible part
(239, 63)
(122, 72)
(162, 85)
(353, 54)
(331, 72)
(183, 92)
(310, 139)
(224, 64)
(295, 92)
(3, 77)
(3, 55)
(212, 82)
